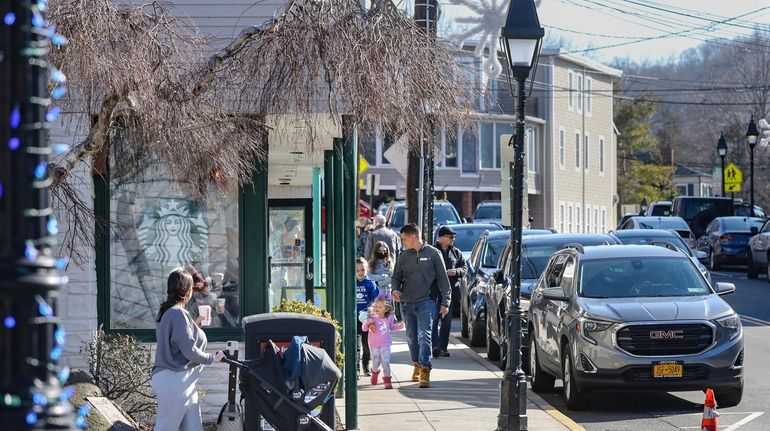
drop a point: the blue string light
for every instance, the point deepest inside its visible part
(64, 374)
(80, 422)
(52, 226)
(42, 5)
(9, 322)
(52, 114)
(39, 399)
(40, 170)
(9, 18)
(13, 143)
(84, 409)
(58, 92)
(58, 76)
(1, 189)
(15, 118)
(56, 353)
(43, 307)
(37, 20)
(30, 252)
(61, 263)
(60, 335)
(31, 418)
(66, 393)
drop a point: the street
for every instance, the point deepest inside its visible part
(683, 411)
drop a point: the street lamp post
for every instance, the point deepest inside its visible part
(722, 150)
(752, 133)
(522, 36)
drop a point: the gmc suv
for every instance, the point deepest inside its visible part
(632, 317)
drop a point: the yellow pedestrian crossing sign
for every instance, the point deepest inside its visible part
(733, 178)
(363, 165)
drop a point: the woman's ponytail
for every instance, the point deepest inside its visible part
(179, 285)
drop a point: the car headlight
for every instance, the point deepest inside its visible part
(732, 324)
(586, 327)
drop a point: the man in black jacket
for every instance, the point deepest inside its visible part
(455, 269)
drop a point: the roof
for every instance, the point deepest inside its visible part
(566, 238)
(687, 171)
(582, 61)
(634, 233)
(628, 252)
(491, 226)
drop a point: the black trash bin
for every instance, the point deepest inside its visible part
(281, 328)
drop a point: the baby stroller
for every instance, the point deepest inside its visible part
(289, 392)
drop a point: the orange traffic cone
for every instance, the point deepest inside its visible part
(710, 414)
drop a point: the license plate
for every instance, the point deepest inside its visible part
(667, 369)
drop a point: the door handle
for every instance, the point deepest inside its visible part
(309, 268)
(269, 269)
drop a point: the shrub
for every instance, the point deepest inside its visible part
(294, 306)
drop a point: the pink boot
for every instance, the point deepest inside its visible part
(386, 380)
(374, 379)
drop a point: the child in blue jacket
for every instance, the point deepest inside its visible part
(366, 293)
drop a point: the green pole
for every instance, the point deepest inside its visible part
(329, 248)
(351, 207)
(317, 235)
(340, 266)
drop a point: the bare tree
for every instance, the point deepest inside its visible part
(151, 87)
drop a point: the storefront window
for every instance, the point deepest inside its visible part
(155, 227)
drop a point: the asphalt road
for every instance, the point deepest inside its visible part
(683, 410)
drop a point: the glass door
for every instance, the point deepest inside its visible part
(291, 250)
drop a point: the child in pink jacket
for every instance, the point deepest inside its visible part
(379, 324)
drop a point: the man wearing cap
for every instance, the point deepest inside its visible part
(455, 270)
(381, 233)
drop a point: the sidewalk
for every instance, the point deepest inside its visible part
(464, 395)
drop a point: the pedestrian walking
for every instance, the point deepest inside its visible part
(381, 233)
(455, 270)
(366, 293)
(380, 323)
(179, 358)
(419, 282)
(381, 266)
(364, 229)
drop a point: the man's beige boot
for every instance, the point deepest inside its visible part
(416, 372)
(424, 377)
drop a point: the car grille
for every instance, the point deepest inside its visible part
(665, 339)
(644, 374)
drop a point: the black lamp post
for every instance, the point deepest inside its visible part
(522, 36)
(752, 133)
(722, 150)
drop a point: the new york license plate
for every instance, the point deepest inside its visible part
(667, 369)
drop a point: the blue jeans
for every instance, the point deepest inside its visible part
(441, 328)
(418, 317)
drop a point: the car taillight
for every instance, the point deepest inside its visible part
(725, 237)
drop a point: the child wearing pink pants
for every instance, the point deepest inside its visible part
(379, 324)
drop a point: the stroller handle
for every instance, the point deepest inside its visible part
(227, 360)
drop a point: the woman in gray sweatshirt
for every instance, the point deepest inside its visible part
(179, 358)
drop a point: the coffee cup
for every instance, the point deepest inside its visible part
(221, 302)
(205, 312)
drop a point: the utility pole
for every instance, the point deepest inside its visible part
(31, 336)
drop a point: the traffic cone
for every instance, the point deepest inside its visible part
(710, 414)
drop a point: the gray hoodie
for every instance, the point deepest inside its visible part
(181, 343)
(416, 271)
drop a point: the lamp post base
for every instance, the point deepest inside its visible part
(513, 402)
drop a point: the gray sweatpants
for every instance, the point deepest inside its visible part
(178, 408)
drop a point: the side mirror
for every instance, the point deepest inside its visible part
(754, 230)
(498, 276)
(725, 288)
(555, 294)
(701, 255)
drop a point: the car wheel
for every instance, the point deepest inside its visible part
(463, 324)
(478, 332)
(493, 349)
(751, 271)
(729, 397)
(540, 380)
(713, 261)
(576, 399)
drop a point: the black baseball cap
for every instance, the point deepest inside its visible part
(446, 231)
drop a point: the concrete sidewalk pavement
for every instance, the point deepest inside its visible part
(464, 395)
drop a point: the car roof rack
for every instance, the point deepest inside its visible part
(576, 246)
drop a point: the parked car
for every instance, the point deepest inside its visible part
(535, 252)
(726, 240)
(659, 208)
(625, 218)
(467, 235)
(443, 213)
(744, 210)
(632, 317)
(675, 223)
(656, 236)
(759, 252)
(489, 212)
(484, 260)
(699, 211)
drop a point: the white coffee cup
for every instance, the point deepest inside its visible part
(205, 312)
(221, 302)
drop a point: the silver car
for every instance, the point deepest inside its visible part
(632, 317)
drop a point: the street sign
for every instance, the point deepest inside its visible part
(361, 184)
(733, 178)
(396, 156)
(372, 184)
(363, 165)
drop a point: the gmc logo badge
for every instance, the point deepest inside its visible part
(666, 335)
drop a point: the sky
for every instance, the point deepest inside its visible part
(600, 23)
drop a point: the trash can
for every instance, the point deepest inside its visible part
(281, 328)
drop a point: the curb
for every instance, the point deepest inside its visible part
(536, 399)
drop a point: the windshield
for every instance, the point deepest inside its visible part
(715, 208)
(642, 277)
(488, 212)
(661, 210)
(740, 224)
(663, 223)
(397, 222)
(492, 252)
(466, 238)
(443, 214)
(642, 240)
(534, 259)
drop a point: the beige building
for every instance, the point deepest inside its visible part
(573, 185)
